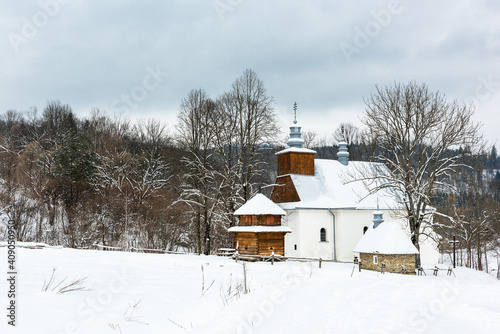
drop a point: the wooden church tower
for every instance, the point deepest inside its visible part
(293, 160)
(260, 231)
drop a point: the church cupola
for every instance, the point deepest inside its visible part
(295, 134)
(295, 159)
(377, 218)
(343, 153)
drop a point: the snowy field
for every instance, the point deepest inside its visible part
(153, 293)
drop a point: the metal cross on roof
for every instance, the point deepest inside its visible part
(295, 113)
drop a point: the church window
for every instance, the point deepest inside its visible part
(375, 259)
(322, 235)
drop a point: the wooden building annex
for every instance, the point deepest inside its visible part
(259, 230)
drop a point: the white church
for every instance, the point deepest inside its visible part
(327, 215)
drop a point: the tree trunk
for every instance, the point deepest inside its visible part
(468, 262)
(479, 254)
(207, 237)
(198, 232)
(498, 269)
(415, 233)
(71, 227)
(486, 258)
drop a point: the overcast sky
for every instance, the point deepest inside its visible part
(139, 59)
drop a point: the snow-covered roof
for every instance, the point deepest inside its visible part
(259, 205)
(328, 188)
(257, 229)
(387, 238)
(296, 150)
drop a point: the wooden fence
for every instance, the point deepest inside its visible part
(276, 258)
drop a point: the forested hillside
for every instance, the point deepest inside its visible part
(137, 183)
(100, 179)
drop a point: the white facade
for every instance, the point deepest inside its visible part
(327, 197)
(348, 227)
(333, 209)
(344, 228)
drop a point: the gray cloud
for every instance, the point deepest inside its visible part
(91, 54)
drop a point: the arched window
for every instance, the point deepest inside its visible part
(322, 234)
(365, 229)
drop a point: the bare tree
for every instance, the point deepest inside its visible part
(152, 133)
(352, 135)
(254, 113)
(471, 215)
(225, 124)
(347, 131)
(57, 121)
(195, 135)
(309, 138)
(223, 140)
(418, 133)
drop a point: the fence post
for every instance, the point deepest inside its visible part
(272, 258)
(320, 262)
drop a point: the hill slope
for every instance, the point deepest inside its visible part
(150, 293)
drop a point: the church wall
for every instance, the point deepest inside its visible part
(429, 253)
(428, 248)
(292, 239)
(306, 226)
(349, 224)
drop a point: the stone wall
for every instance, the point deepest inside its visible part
(390, 260)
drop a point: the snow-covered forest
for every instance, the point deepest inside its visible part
(81, 181)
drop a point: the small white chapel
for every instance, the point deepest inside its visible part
(327, 215)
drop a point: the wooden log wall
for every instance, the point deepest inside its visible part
(284, 191)
(296, 163)
(260, 243)
(247, 243)
(255, 220)
(271, 242)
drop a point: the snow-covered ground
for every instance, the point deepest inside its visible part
(154, 293)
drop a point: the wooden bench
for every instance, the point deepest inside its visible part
(148, 251)
(225, 251)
